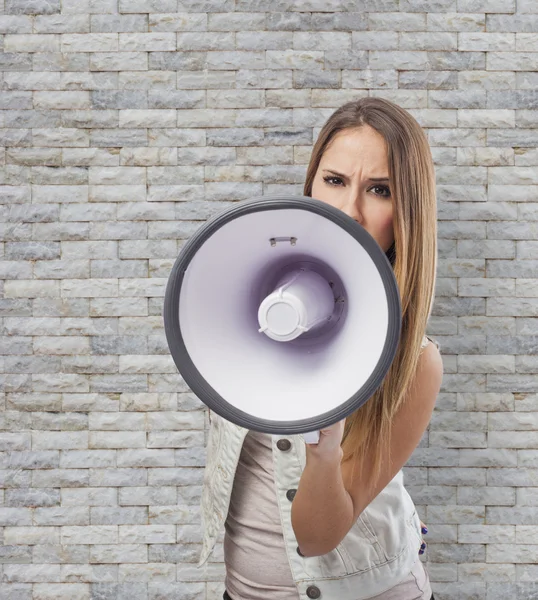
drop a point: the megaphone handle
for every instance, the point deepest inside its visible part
(311, 437)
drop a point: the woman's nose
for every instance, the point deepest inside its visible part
(351, 208)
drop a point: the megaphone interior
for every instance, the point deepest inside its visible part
(282, 314)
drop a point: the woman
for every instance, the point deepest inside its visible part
(333, 520)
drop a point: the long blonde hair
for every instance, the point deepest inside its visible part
(413, 257)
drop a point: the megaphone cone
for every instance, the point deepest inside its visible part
(282, 314)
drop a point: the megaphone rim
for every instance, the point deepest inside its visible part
(191, 374)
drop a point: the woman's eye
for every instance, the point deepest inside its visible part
(332, 179)
(336, 181)
(382, 187)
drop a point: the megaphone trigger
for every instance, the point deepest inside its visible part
(311, 437)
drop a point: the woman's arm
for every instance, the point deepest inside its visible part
(322, 508)
(328, 501)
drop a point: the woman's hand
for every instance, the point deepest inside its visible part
(328, 446)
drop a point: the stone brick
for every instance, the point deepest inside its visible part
(124, 126)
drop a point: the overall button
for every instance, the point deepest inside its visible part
(299, 551)
(283, 445)
(313, 592)
(290, 494)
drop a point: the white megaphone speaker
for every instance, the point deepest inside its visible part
(283, 315)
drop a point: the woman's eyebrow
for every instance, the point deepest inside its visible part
(336, 173)
(346, 177)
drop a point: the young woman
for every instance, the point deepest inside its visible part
(333, 520)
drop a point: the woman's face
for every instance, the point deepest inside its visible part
(345, 176)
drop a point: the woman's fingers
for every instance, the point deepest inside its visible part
(424, 531)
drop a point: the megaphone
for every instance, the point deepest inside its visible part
(282, 314)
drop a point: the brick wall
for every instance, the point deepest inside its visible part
(124, 125)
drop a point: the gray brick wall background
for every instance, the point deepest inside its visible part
(125, 124)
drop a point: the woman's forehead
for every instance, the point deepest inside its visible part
(350, 148)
